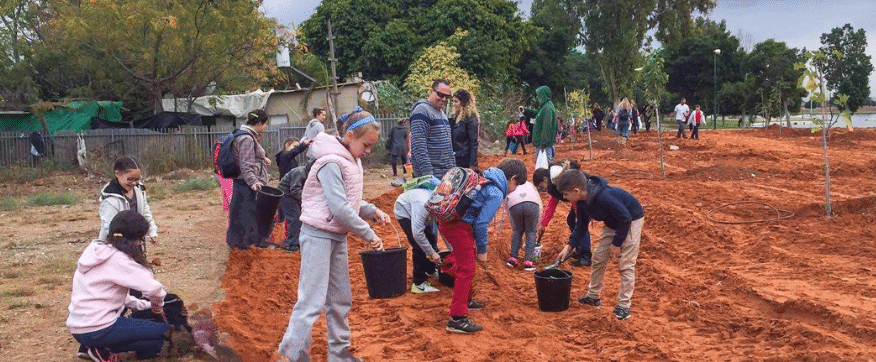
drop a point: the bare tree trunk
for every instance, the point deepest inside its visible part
(660, 141)
(825, 128)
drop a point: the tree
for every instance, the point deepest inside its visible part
(20, 22)
(846, 66)
(691, 63)
(654, 79)
(177, 48)
(439, 61)
(738, 97)
(773, 65)
(614, 31)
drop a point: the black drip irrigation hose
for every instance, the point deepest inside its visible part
(632, 174)
(780, 214)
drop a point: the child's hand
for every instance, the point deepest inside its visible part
(482, 257)
(376, 243)
(267, 161)
(157, 309)
(564, 252)
(436, 258)
(615, 252)
(382, 217)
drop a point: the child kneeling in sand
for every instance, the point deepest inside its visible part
(470, 232)
(623, 217)
(105, 273)
(332, 206)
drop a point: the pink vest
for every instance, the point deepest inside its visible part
(524, 193)
(314, 206)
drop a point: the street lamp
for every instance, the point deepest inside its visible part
(715, 88)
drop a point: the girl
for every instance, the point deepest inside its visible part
(124, 192)
(543, 181)
(332, 206)
(465, 127)
(598, 115)
(242, 228)
(287, 157)
(397, 144)
(510, 128)
(697, 119)
(105, 273)
(520, 135)
(524, 208)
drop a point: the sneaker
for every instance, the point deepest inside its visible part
(621, 313)
(83, 353)
(102, 355)
(475, 305)
(585, 261)
(463, 325)
(512, 262)
(292, 248)
(589, 301)
(528, 266)
(424, 287)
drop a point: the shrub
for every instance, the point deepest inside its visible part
(18, 292)
(47, 199)
(195, 184)
(8, 205)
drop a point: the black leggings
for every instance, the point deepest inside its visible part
(423, 267)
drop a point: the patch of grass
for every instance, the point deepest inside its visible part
(52, 282)
(9, 274)
(18, 292)
(63, 266)
(196, 184)
(47, 199)
(8, 205)
(18, 305)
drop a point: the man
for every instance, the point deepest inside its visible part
(314, 127)
(544, 133)
(431, 149)
(681, 113)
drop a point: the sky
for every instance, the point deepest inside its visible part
(797, 23)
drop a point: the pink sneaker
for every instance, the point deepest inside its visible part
(512, 262)
(528, 266)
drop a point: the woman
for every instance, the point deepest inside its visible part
(465, 127)
(397, 144)
(623, 115)
(598, 115)
(242, 227)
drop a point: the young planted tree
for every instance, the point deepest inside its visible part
(654, 79)
(813, 80)
(579, 108)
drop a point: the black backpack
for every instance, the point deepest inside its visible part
(223, 155)
(623, 115)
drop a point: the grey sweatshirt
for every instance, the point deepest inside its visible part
(332, 181)
(411, 205)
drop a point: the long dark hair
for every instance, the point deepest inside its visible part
(126, 233)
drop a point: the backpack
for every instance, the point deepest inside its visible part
(623, 115)
(174, 309)
(223, 155)
(454, 195)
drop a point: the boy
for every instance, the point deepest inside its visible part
(623, 217)
(470, 231)
(290, 205)
(411, 214)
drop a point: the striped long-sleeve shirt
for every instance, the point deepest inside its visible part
(431, 149)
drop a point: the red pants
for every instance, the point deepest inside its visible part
(461, 237)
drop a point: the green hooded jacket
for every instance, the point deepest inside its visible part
(544, 132)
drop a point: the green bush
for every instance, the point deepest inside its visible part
(47, 199)
(8, 205)
(18, 292)
(196, 184)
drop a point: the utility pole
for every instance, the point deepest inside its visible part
(334, 91)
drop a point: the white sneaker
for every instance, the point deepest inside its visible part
(425, 287)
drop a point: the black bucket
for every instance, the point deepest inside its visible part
(554, 287)
(444, 278)
(267, 200)
(386, 272)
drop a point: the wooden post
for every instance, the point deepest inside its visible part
(334, 91)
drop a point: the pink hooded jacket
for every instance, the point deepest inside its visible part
(103, 277)
(314, 206)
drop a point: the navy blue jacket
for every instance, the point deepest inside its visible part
(614, 206)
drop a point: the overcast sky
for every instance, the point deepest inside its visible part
(798, 23)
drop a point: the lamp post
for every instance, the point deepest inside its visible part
(715, 88)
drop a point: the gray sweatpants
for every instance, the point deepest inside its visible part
(324, 282)
(524, 217)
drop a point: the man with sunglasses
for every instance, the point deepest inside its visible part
(431, 149)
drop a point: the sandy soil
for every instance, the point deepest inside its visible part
(801, 288)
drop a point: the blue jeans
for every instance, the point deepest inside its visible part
(549, 150)
(145, 338)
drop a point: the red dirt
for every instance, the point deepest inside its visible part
(798, 289)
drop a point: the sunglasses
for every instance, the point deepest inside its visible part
(441, 95)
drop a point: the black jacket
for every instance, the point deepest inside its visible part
(464, 137)
(286, 160)
(614, 206)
